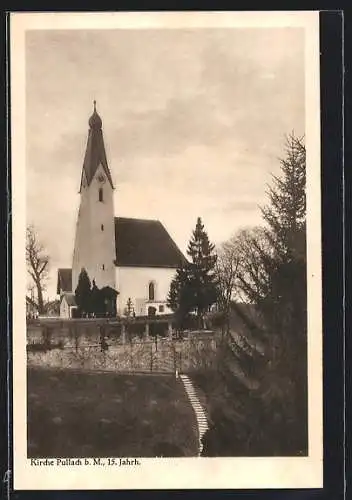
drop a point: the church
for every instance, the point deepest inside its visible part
(130, 259)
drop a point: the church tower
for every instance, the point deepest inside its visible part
(95, 248)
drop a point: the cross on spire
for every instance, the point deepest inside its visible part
(95, 104)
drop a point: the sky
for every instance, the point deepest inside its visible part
(194, 122)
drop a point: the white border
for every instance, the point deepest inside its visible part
(186, 473)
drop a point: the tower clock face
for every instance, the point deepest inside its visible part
(101, 178)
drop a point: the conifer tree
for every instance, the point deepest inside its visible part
(83, 292)
(179, 297)
(173, 295)
(272, 276)
(286, 217)
(286, 212)
(202, 279)
(96, 302)
(194, 286)
(272, 270)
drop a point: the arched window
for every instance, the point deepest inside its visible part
(151, 291)
(101, 198)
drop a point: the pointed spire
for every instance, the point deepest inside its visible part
(95, 151)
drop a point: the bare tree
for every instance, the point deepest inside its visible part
(226, 268)
(37, 265)
(241, 274)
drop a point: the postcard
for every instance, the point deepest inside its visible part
(167, 295)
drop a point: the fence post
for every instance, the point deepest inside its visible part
(123, 333)
(146, 331)
(174, 355)
(76, 337)
(169, 326)
(131, 355)
(45, 335)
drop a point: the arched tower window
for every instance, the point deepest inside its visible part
(151, 291)
(101, 195)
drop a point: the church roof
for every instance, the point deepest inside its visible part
(64, 280)
(70, 299)
(145, 243)
(95, 151)
(139, 243)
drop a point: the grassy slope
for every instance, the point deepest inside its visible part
(86, 415)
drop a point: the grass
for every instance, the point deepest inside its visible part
(73, 414)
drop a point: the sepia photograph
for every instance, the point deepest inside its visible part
(169, 237)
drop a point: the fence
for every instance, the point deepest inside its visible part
(146, 356)
(111, 347)
(90, 330)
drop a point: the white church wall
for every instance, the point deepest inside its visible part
(95, 245)
(133, 282)
(80, 253)
(64, 308)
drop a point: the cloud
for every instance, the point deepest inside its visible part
(193, 121)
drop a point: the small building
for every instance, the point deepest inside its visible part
(68, 305)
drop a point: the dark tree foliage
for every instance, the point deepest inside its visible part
(83, 293)
(194, 286)
(202, 279)
(96, 301)
(286, 211)
(173, 295)
(179, 298)
(285, 305)
(272, 276)
(272, 270)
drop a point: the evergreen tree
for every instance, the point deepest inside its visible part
(285, 303)
(272, 270)
(194, 286)
(202, 279)
(180, 297)
(96, 302)
(272, 276)
(173, 295)
(83, 293)
(286, 211)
